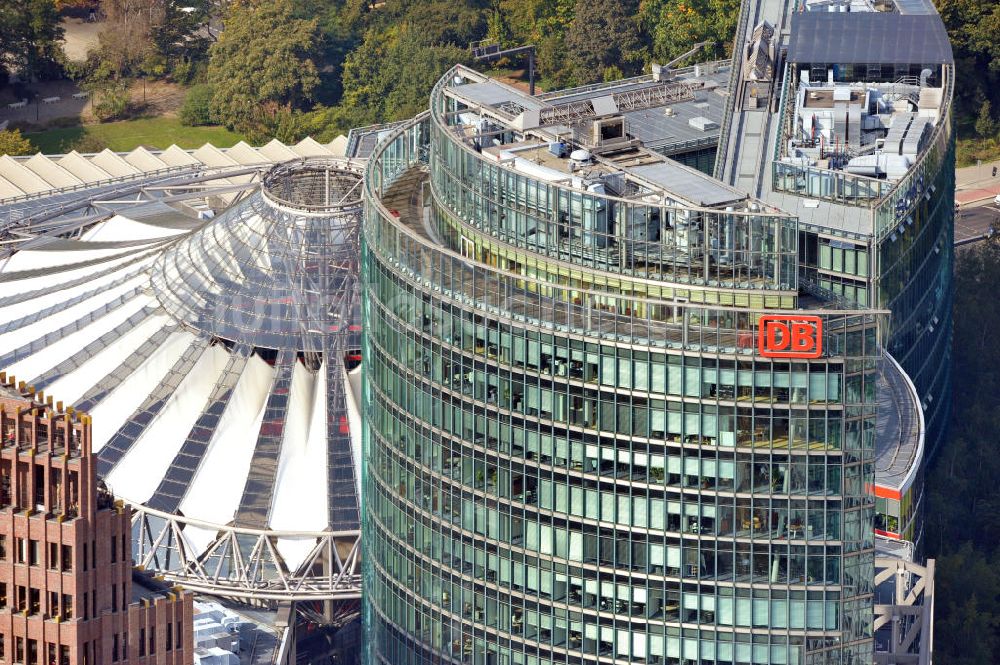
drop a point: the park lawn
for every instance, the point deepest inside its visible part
(129, 134)
(970, 151)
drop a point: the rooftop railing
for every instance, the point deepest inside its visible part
(891, 201)
(734, 83)
(101, 183)
(714, 65)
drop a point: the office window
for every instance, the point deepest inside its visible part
(114, 648)
(51, 648)
(177, 635)
(124, 598)
(19, 649)
(22, 597)
(3, 649)
(124, 542)
(170, 639)
(21, 550)
(3, 595)
(93, 604)
(32, 552)
(56, 489)
(85, 606)
(67, 558)
(114, 598)
(93, 554)
(53, 562)
(85, 556)
(67, 604)
(152, 640)
(3, 548)
(63, 654)
(32, 652)
(114, 549)
(53, 606)
(34, 601)
(142, 642)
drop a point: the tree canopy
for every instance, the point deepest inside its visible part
(30, 38)
(674, 26)
(12, 143)
(406, 44)
(962, 528)
(261, 67)
(973, 27)
(602, 41)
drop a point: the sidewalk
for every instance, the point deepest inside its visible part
(977, 183)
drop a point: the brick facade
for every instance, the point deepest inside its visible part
(66, 577)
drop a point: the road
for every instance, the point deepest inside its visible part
(975, 188)
(973, 223)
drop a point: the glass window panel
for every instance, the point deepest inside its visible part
(814, 614)
(742, 611)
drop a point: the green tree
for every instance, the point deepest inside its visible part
(438, 22)
(674, 26)
(390, 76)
(30, 37)
(986, 126)
(181, 38)
(110, 98)
(262, 67)
(962, 525)
(543, 23)
(973, 26)
(340, 27)
(12, 143)
(497, 29)
(531, 21)
(601, 35)
(197, 107)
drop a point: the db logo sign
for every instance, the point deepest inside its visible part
(790, 336)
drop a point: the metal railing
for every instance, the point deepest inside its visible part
(734, 85)
(715, 65)
(55, 191)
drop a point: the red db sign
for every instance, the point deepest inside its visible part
(790, 336)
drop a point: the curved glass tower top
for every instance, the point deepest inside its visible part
(575, 449)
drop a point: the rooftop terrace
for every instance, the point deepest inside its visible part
(844, 123)
(585, 135)
(899, 428)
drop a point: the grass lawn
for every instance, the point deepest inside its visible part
(968, 150)
(129, 134)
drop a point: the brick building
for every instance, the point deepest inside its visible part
(68, 592)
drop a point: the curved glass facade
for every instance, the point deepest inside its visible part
(916, 263)
(570, 462)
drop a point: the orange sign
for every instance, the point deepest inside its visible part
(790, 336)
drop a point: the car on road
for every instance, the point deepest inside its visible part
(996, 199)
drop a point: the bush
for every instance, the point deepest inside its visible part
(187, 71)
(197, 108)
(110, 100)
(12, 143)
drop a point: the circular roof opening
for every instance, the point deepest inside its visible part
(313, 185)
(278, 270)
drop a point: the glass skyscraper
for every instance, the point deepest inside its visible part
(580, 445)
